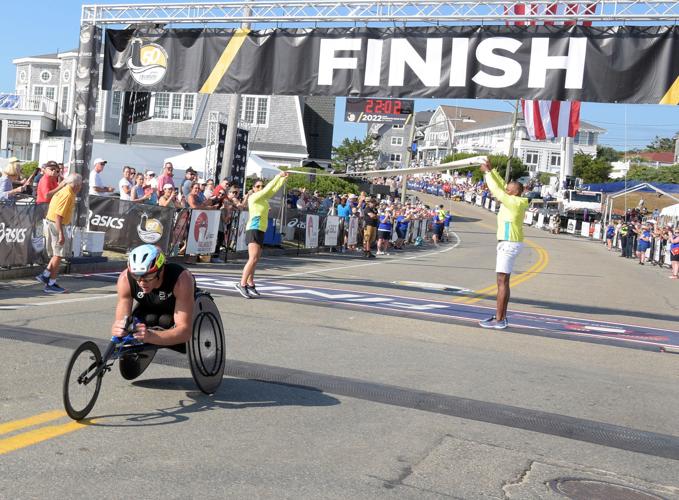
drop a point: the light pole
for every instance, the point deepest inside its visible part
(409, 149)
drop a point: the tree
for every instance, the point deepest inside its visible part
(661, 144)
(644, 173)
(498, 162)
(591, 170)
(322, 183)
(607, 154)
(354, 155)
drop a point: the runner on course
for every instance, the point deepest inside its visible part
(258, 221)
(509, 237)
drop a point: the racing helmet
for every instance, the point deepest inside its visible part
(145, 259)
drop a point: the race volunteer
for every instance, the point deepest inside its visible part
(509, 236)
(258, 221)
(438, 225)
(159, 295)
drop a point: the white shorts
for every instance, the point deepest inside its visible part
(507, 252)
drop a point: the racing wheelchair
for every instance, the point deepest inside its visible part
(206, 353)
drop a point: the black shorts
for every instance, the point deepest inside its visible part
(674, 258)
(254, 236)
(384, 235)
(438, 230)
(401, 233)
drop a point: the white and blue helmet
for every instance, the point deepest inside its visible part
(145, 259)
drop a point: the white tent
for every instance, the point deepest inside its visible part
(260, 168)
(671, 211)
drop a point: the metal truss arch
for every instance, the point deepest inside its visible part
(273, 13)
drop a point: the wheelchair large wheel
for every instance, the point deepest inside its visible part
(81, 389)
(206, 348)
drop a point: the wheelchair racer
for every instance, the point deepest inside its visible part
(164, 294)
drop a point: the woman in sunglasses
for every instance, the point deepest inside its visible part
(258, 221)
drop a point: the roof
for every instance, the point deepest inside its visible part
(660, 156)
(485, 118)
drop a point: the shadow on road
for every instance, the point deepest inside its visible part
(233, 394)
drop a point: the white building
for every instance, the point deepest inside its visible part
(459, 129)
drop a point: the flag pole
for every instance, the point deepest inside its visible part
(508, 170)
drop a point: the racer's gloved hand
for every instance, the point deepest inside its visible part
(119, 328)
(141, 333)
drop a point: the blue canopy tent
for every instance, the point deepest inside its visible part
(621, 186)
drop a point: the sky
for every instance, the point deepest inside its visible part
(34, 27)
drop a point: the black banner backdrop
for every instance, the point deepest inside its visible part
(240, 158)
(220, 152)
(128, 224)
(604, 64)
(21, 238)
(85, 103)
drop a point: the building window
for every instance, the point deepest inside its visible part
(22, 76)
(189, 106)
(397, 141)
(66, 75)
(161, 107)
(397, 125)
(45, 76)
(64, 100)
(532, 158)
(254, 110)
(395, 157)
(116, 99)
(176, 111)
(555, 160)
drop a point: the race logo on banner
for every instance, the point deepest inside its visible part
(541, 221)
(16, 231)
(353, 231)
(202, 238)
(584, 230)
(241, 242)
(332, 225)
(311, 240)
(597, 231)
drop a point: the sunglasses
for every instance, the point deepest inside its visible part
(146, 278)
(258, 186)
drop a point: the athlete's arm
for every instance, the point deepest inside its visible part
(124, 305)
(183, 316)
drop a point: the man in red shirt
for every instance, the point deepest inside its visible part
(49, 182)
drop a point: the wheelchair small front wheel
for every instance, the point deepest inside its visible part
(82, 382)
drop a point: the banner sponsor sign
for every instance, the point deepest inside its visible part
(240, 157)
(479, 200)
(128, 224)
(657, 257)
(468, 197)
(16, 234)
(202, 237)
(584, 230)
(541, 221)
(180, 229)
(353, 231)
(311, 231)
(564, 63)
(528, 218)
(493, 206)
(332, 230)
(570, 228)
(241, 242)
(597, 231)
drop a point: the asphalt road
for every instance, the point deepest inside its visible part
(330, 399)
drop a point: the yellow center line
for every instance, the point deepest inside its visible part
(30, 421)
(531, 272)
(38, 435)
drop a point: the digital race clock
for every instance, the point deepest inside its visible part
(370, 110)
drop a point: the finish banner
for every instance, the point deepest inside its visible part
(128, 224)
(599, 64)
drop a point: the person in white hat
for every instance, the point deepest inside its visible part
(97, 186)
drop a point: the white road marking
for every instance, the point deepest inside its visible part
(375, 263)
(604, 329)
(53, 302)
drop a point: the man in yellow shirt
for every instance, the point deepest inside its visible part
(509, 238)
(59, 214)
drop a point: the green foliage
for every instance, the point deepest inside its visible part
(651, 174)
(591, 170)
(28, 168)
(545, 177)
(607, 154)
(354, 154)
(661, 144)
(323, 183)
(498, 162)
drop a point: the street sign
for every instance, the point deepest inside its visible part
(369, 110)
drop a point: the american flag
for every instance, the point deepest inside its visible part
(549, 119)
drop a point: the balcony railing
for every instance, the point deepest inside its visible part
(18, 102)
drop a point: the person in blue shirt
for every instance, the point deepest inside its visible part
(384, 230)
(344, 212)
(402, 221)
(447, 221)
(438, 219)
(643, 244)
(610, 234)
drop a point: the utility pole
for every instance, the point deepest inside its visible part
(409, 154)
(512, 137)
(232, 119)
